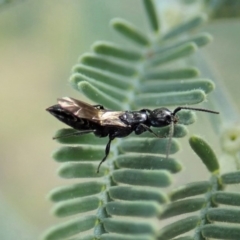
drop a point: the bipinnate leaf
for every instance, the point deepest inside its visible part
(125, 78)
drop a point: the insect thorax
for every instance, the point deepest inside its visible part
(134, 117)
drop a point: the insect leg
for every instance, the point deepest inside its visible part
(146, 128)
(107, 150)
(78, 133)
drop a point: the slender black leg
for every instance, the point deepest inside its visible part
(145, 127)
(107, 150)
(78, 133)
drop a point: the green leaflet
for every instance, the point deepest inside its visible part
(182, 207)
(184, 73)
(143, 145)
(205, 152)
(221, 232)
(147, 161)
(227, 198)
(116, 51)
(70, 228)
(189, 190)
(129, 31)
(108, 65)
(179, 52)
(200, 40)
(231, 178)
(76, 191)
(93, 93)
(76, 206)
(170, 99)
(137, 193)
(224, 215)
(114, 236)
(78, 153)
(152, 15)
(178, 228)
(184, 27)
(154, 178)
(106, 78)
(133, 209)
(129, 227)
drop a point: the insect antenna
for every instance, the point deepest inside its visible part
(74, 134)
(171, 127)
(195, 109)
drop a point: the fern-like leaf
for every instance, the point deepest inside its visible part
(129, 183)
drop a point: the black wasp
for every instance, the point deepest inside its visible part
(96, 119)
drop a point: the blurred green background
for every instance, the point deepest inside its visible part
(40, 41)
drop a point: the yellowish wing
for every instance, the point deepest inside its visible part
(111, 118)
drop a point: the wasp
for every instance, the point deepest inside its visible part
(86, 118)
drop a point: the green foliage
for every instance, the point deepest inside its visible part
(130, 182)
(204, 151)
(211, 214)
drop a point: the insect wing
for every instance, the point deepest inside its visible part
(111, 118)
(86, 111)
(80, 109)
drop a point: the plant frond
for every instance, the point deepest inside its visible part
(208, 206)
(130, 183)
